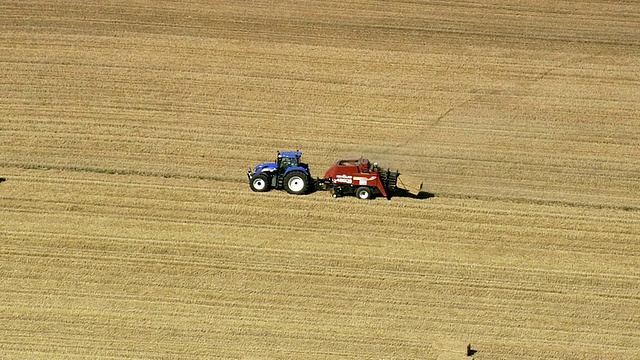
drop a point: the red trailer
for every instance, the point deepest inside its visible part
(360, 178)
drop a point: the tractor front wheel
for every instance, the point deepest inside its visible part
(260, 183)
(296, 182)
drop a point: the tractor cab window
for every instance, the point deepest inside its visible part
(287, 162)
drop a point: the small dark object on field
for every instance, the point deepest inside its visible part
(2, 179)
(470, 351)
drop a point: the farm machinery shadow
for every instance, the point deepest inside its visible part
(404, 193)
(396, 193)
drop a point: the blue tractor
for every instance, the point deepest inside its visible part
(288, 173)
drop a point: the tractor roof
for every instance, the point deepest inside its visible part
(289, 154)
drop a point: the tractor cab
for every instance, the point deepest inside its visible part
(288, 159)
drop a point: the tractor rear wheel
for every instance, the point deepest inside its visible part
(260, 183)
(364, 193)
(296, 182)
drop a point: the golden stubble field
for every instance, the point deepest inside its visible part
(129, 231)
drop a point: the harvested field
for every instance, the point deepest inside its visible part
(128, 227)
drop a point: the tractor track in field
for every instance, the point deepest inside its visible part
(116, 172)
(445, 195)
(138, 201)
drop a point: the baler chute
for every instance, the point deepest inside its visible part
(411, 185)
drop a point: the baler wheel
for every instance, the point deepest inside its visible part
(364, 193)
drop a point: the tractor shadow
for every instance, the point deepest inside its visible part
(403, 193)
